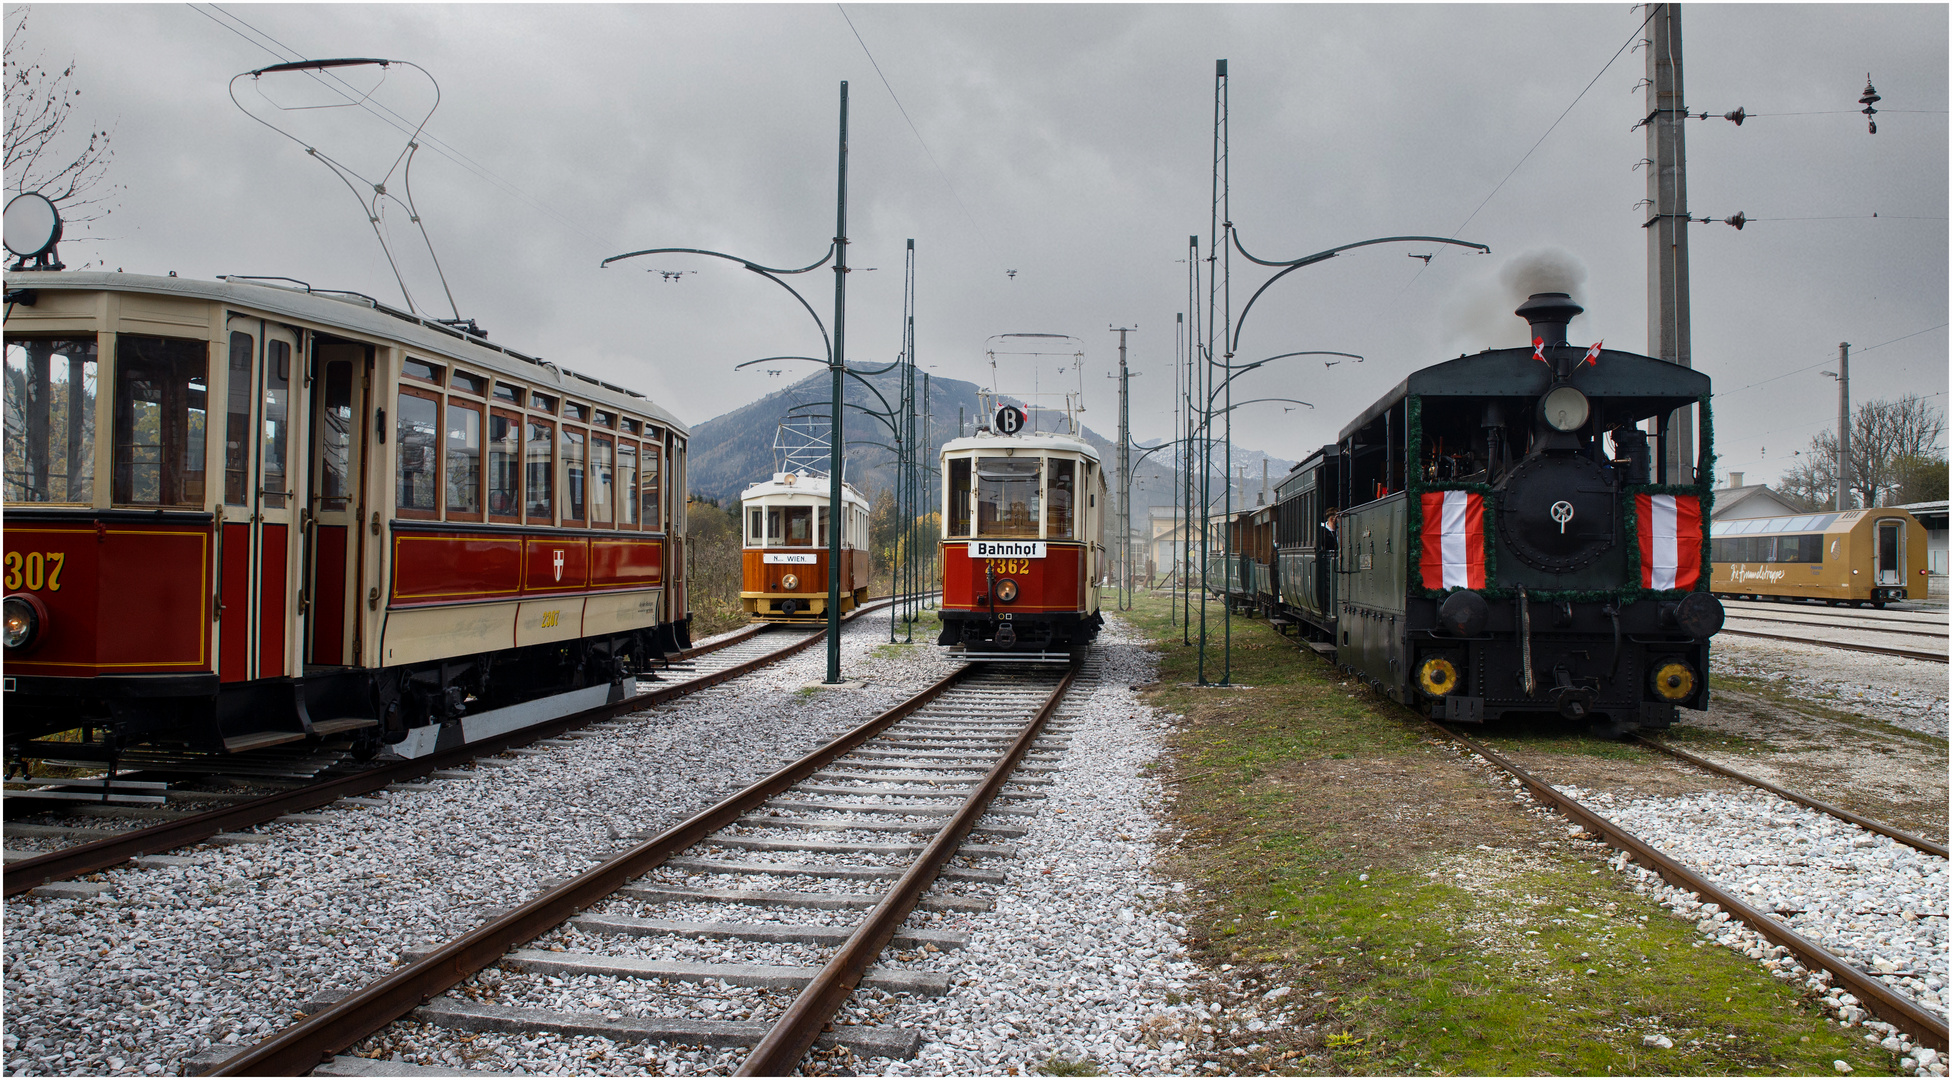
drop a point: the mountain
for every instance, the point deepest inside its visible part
(731, 451)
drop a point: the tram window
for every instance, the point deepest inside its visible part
(504, 465)
(416, 472)
(604, 419)
(335, 441)
(756, 528)
(629, 425)
(626, 484)
(575, 480)
(774, 533)
(539, 473)
(420, 369)
(161, 404)
(573, 411)
(276, 421)
(959, 497)
(464, 459)
(469, 384)
(601, 480)
(1062, 499)
(237, 421)
(820, 536)
(51, 420)
(508, 392)
(1007, 496)
(799, 526)
(650, 484)
(542, 403)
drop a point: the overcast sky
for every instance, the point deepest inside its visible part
(1073, 145)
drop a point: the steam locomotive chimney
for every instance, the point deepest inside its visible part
(1549, 312)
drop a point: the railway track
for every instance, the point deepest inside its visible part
(1881, 650)
(111, 840)
(1924, 1025)
(805, 877)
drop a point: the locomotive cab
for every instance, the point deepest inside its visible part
(1521, 541)
(1022, 545)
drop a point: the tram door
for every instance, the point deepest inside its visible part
(1890, 569)
(341, 371)
(256, 548)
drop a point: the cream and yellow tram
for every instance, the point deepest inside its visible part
(1857, 557)
(784, 576)
(1022, 542)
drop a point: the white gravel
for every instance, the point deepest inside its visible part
(1906, 693)
(172, 961)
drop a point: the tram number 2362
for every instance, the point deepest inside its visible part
(1009, 566)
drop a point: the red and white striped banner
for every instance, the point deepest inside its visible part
(1453, 540)
(1670, 540)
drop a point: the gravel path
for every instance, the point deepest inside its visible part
(173, 961)
(1906, 693)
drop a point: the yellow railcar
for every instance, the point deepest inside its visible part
(1856, 557)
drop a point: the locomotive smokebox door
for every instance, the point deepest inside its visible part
(1559, 513)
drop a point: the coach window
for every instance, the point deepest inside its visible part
(237, 421)
(958, 496)
(756, 528)
(539, 472)
(468, 384)
(573, 411)
(416, 474)
(335, 441)
(626, 484)
(463, 460)
(604, 419)
(575, 479)
(51, 420)
(420, 369)
(798, 521)
(1007, 495)
(542, 403)
(161, 404)
(504, 466)
(1061, 499)
(508, 392)
(277, 426)
(820, 535)
(602, 481)
(650, 484)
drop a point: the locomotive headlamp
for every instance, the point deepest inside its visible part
(1565, 409)
(1673, 681)
(790, 582)
(1437, 676)
(1006, 590)
(23, 620)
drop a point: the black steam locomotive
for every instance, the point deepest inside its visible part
(1500, 533)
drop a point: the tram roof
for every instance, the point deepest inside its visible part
(359, 314)
(815, 485)
(1514, 373)
(1040, 440)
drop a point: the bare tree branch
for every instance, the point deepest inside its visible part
(43, 152)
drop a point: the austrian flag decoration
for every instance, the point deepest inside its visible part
(1670, 540)
(1453, 540)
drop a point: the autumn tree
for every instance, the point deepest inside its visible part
(44, 152)
(713, 554)
(1896, 450)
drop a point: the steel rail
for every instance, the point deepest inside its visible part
(1902, 837)
(111, 851)
(300, 1048)
(1896, 1009)
(1911, 654)
(1860, 629)
(779, 1053)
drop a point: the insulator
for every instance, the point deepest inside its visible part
(1740, 219)
(1737, 116)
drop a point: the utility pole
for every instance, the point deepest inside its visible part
(1842, 375)
(1124, 470)
(1667, 229)
(837, 456)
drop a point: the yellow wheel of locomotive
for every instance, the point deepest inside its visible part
(1437, 676)
(1673, 681)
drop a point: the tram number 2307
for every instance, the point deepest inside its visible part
(1009, 566)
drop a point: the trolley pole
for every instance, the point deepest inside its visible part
(837, 454)
(1124, 470)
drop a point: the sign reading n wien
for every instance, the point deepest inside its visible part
(1006, 549)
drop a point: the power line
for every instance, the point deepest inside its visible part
(1827, 360)
(981, 234)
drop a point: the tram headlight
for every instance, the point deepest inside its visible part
(1565, 409)
(23, 620)
(1437, 676)
(790, 582)
(1673, 681)
(1006, 590)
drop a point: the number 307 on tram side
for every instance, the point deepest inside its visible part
(1022, 542)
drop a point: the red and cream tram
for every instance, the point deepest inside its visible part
(1022, 542)
(241, 513)
(786, 547)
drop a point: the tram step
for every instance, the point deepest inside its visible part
(343, 723)
(258, 740)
